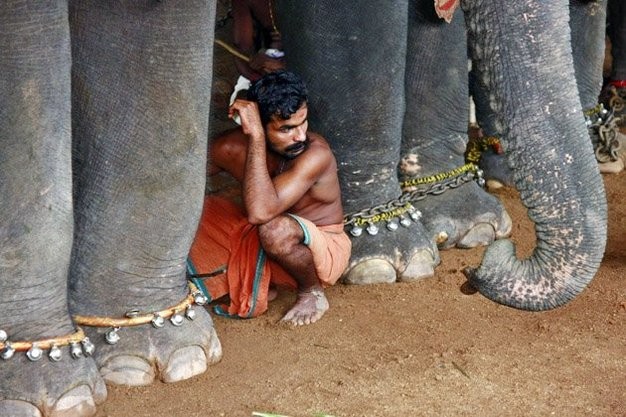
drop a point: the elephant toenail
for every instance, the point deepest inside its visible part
(371, 271)
(185, 363)
(441, 237)
(76, 402)
(127, 370)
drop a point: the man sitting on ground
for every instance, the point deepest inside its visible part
(292, 205)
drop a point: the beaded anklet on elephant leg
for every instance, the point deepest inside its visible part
(476, 147)
(602, 125)
(79, 344)
(176, 315)
(400, 210)
(419, 188)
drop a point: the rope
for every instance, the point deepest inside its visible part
(134, 318)
(45, 344)
(232, 50)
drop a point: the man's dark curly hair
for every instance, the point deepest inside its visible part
(279, 93)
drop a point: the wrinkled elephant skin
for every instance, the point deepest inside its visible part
(103, 128)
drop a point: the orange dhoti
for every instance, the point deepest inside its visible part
(226, 239)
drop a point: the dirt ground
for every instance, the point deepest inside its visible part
(420, 349)
(416, 349)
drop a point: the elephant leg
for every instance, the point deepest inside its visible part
(487, 150)
(587, 23)
(141, 84)
(36, 212)
(353, 60)
(435, 133)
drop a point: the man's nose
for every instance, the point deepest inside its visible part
(300, 133)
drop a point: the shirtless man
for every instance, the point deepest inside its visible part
(290, 188)
(255, 35)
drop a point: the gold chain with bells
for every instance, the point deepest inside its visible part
(400, 211)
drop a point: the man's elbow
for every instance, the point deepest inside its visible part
(259, 217)
(257, 220)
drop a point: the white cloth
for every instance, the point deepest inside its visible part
(242, 84)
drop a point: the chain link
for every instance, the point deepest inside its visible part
(402, 204)
(602, 124)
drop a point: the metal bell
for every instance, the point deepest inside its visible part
(356, 231)
(372, 229)
(158, 321)
(75, 350)
(415, 214)
(132, 313)
(190, 313)
(480, 173)
(481, 182)
(55, 353)
(177, 319)
(34, 353)
(588, 123)
(3, 336)
(8, 351)
(392, 225)
(88, 347)
(200, 299)
(111, 337)
(405, 221)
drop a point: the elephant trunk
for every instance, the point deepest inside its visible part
(530, 75)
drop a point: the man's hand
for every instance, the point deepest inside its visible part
(264, 64)
(248, 112)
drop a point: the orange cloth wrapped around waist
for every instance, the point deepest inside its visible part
(225, 238)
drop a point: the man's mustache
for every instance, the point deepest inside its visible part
(297, 146)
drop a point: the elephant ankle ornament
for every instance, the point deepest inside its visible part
(81, 345)
(400, 210)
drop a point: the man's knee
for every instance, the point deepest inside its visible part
(279, 235)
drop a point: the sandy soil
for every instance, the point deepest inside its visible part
(420, 349)
(416, 349)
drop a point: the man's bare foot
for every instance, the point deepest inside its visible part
(310, 307)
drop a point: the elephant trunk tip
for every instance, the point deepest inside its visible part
(468, 288)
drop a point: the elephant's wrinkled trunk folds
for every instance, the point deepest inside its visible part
(524, 52)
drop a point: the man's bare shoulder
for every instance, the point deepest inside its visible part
(318, 158)
(319, 143)
(230, 140)
(227, 152)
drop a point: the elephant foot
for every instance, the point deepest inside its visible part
(170, 345)
(464, 217)
(406, 254)
(496, 171)
(67, 388)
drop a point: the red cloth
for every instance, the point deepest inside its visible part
(225, 237)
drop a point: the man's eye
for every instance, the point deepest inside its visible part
(284, 129)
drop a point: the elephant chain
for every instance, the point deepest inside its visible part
(602, 125)
(400, 210)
